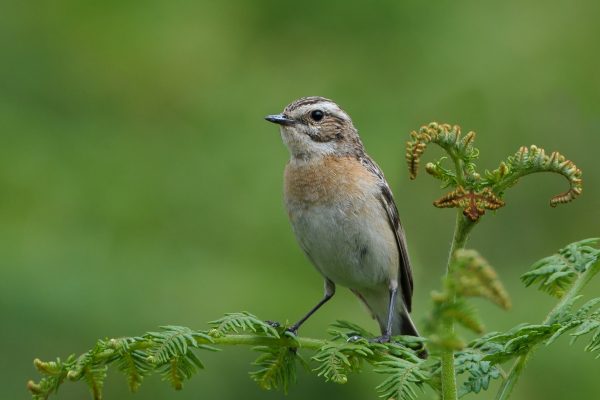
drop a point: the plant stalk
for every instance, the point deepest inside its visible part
(461, 233)
(519, 365)
(257, 340)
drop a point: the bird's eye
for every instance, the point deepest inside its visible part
(317, 115)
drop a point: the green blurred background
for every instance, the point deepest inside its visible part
(141, 185)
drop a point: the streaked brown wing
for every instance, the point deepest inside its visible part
(405, 269)
(387, 202)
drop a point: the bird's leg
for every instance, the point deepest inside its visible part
(329, 292)
(386, 336)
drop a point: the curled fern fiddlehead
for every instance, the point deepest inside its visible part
(472, 193)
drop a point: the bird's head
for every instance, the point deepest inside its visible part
(315, 127)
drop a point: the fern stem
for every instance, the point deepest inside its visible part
(462, 230)
(258, 340)
(519, 365)
(577, 287)
(458, 167)
(461, 233)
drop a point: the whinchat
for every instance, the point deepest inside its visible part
(343, 213)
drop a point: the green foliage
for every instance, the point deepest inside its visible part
(472, 193)
(584, 321)
(168, 352)
(337, 359)
(475, 195)
(91, 370)
(277, 367)
(132, 362)
(171, 352)
(500, 347)
(244, 321)
(460, 149)
(529, 160)
(555, 274)
(480, 372)
(469, 275)
(405, 376)
(54, 372)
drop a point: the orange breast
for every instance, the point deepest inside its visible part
(327, 180)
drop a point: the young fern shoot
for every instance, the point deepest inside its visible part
(474, 195)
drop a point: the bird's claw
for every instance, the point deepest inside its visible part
(353, 338)
(381, 339)
(293, 329)
(273, 324)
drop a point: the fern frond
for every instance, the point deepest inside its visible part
(448, 137)
(277, 368)
(529, 160)
(556, 273)
(179, 368)
(337, 360)
(585, 320)
(55, 372)
(171, 352)
(242, 321)
(438, 171)
(481, 372)
(404, 377)
(91, 370)
(473, 202)
(464, 314)
(501, 347)
(469, 275)
(134, 363)
(350, 329)
(473, 276)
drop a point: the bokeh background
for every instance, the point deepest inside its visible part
(141, 186)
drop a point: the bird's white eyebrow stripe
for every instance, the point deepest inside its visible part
(306, 101)
(328, 107)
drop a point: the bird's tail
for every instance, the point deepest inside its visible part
(402, 324)
(378, 303)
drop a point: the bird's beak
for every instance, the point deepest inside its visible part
(280, 119)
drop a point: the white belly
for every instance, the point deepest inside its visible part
(351, 244)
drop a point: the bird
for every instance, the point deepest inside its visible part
(343, 214)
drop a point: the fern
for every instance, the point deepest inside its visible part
(555, 274)
(244, 321)
(347, 330)
(405, 377)
(55, 372)
(529, 160)
(472, 193)
(91, 370)
(337, 360)
(460, 149)
(171, 350)
(480, 371)
(501, 347)
(277, 368)
(172, 355)
(134, 363)
(470, 276)
(584, 321)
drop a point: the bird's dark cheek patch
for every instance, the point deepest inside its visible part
(318, 138)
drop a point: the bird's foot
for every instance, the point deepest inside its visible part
(354, 338)
(273, 324)
(381, 339)
(293, 329)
